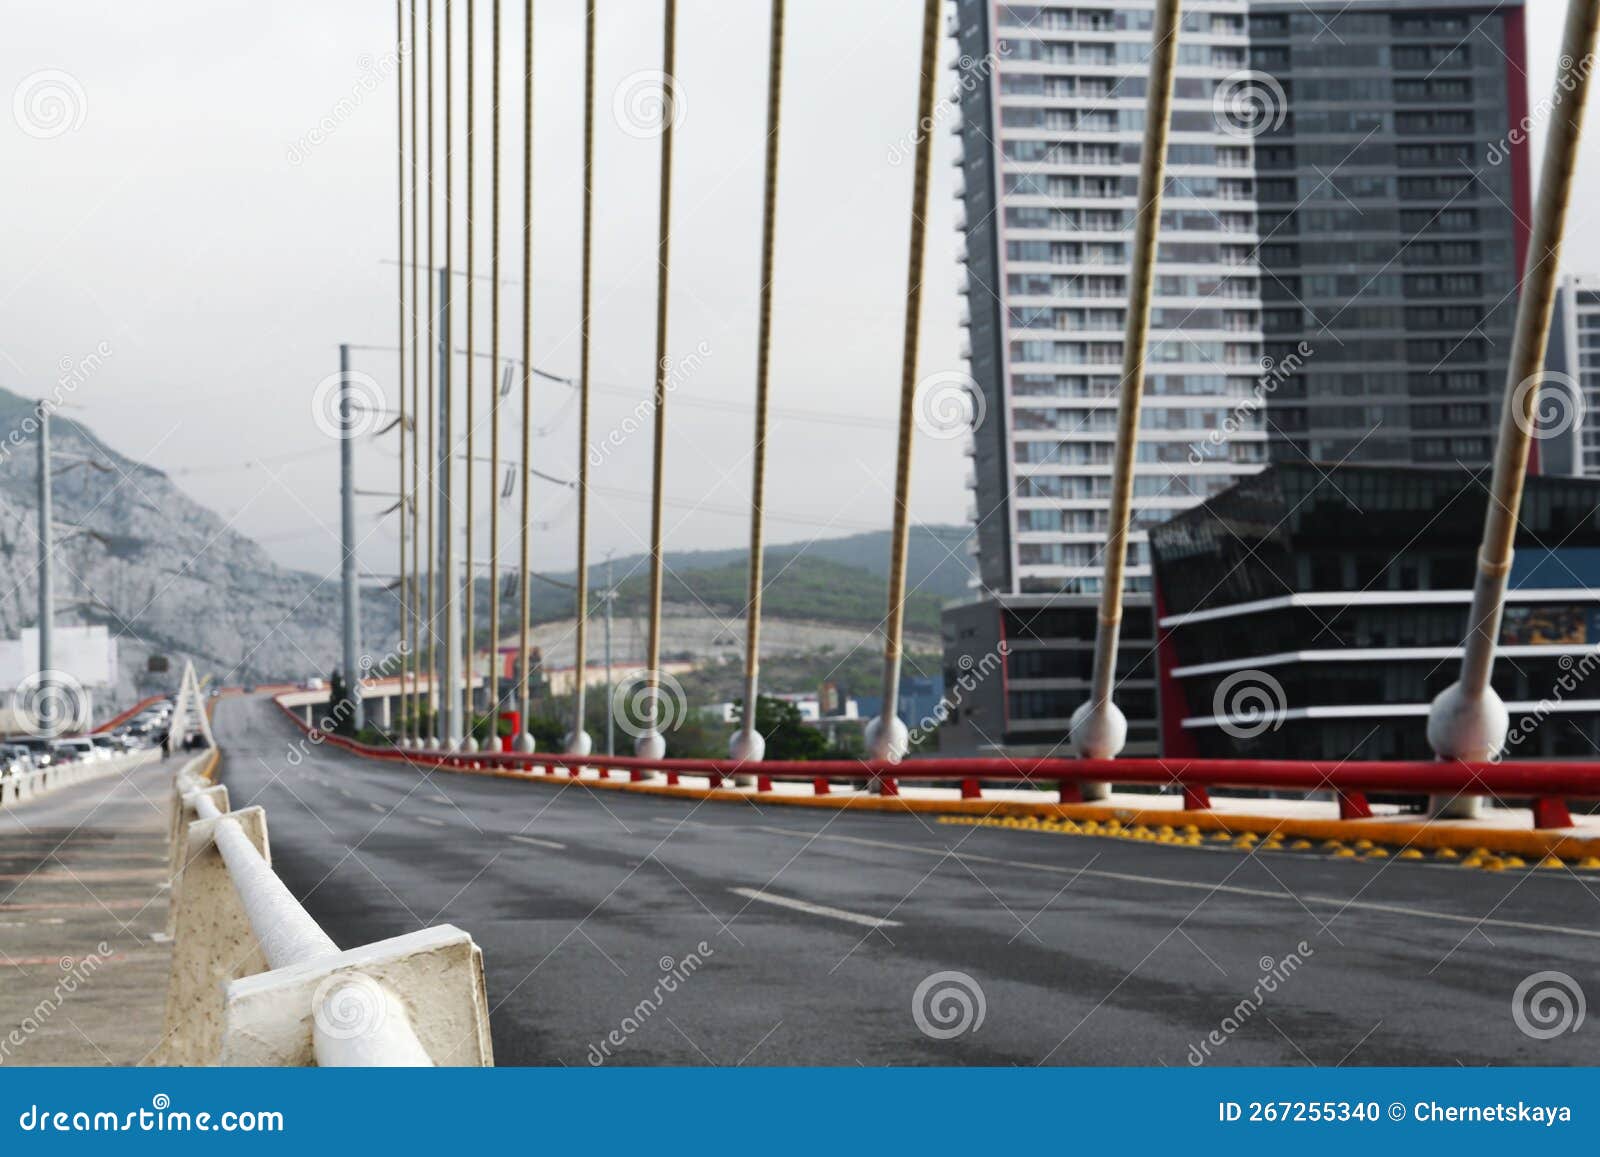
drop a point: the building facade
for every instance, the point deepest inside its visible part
(1016, 667)
(1392, 183)
(1053, 105)
(1336, 274)
(1314, 611)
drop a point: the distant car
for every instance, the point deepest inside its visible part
(82, 749)
(39, 750)
(315, 684)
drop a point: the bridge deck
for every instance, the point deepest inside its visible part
(83, 903)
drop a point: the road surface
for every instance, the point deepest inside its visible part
(801, 936)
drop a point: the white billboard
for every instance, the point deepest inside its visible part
(88, 654)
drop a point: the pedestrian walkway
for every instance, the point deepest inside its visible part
(83, 908)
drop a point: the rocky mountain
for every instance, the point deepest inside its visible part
(165, 575)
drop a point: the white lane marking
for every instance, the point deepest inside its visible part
(442, 801)
(432, 823)
(1193, 885)
(378, 807)
(814, 909)
(538, 843)
(346, 794)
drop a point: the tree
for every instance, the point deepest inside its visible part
(786, 733)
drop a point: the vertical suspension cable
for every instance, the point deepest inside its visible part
(447, 539)
(748, 743)
(432, 462)
(400, 222)
(469, 634)
(414, 722)
(1467, 720)
(652, 744)
(1099, 728)
(494, 390)
(887, 735)
(525, 461)
(580, 742)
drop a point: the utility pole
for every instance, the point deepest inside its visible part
(347, 532)
(47, 580)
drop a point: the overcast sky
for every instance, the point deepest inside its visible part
(196, 222)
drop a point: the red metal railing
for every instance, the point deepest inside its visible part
(1548, 784)
(119, 719)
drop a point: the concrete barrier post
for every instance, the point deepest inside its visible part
(185, 811)
(373, 1005)
(213, 942)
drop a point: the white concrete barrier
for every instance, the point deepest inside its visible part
(256, 981)
(15, 789)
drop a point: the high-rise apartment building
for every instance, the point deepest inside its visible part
(1393, 201)
(1342, 229)
(1053, 106)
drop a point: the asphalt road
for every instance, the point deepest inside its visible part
(1078, 950)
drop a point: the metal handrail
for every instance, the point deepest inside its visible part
(289, 936)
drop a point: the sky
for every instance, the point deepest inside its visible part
(219, 213)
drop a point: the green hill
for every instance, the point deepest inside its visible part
(797, 587)
(837, 579)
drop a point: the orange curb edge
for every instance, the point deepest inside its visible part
(1424, 834)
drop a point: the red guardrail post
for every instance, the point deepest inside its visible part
(1551, 812)
(1196, 798)
(971, 789)
(1353, 805)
